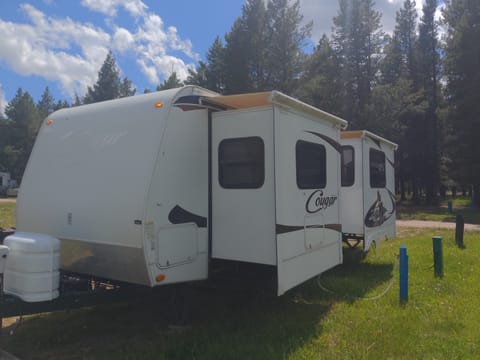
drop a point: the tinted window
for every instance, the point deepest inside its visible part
(348, 166)
(377, 169)
(241, 163)
(311, 165)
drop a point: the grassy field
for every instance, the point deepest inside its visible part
(440, 321)
(7, 213)
(461, 206)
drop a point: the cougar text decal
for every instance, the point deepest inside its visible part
(316, 202)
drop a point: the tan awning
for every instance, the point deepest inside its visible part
(252, 100)
(243, 101)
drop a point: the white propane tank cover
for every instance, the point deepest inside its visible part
(32, 242)
(3, 257)
(32, 266)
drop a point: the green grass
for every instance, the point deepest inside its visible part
(440, 321)
(440, 213)
(7, 214)
(457, 201)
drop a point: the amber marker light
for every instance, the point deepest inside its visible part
(159, 104)
(160, 277)
(49, 122)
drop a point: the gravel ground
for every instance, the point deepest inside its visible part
(11, 199)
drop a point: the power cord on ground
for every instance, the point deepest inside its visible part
(372, 298)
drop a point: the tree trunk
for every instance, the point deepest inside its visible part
(416, 193)
(403, 196)
(476, 195)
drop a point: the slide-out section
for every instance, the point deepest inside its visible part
(243, 197)
(307, 205)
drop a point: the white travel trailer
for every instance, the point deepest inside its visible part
(4, 180)
(152, 189)
(7, 185)
(367, 196)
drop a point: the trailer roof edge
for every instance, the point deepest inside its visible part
(356, 134)
(252, 100)
(278, 97)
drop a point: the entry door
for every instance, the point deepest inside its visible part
(243, 197)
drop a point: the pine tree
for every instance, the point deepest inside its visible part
(462, 56)
(428, 50)
(401, 92)
(61, 104)
(77, 101)
(405, 32)
(262, 51)
(321, 86)
(198, 76)
(244, 50)
(215, 72)
(46, 105)
(210, 74)
(357, 40)
(23, 124)
(171, 83)
(109, 85)
(284, 55)
(126, 88)
(400, 60)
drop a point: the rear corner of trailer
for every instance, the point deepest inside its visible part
(87, 179)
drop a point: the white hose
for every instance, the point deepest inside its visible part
(376, 297)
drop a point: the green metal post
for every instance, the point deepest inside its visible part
(437, 256)
(459, 229)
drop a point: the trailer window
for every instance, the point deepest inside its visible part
(241, 163)
(377, 169)
(348, 166)
(311, 165)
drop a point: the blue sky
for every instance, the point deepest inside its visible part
(62, 44)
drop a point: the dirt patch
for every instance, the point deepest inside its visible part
(8, 200)
(421, 224)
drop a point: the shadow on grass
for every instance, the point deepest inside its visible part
(225, 324)
(357, 277)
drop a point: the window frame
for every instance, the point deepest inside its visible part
(225, 163)
(301, 184)
(343, 182)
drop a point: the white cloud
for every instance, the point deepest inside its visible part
(136, 8)
(3, 102)
(323, 11)
(42, 48)
(123, 40)
(150, 42)
(71, 52)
